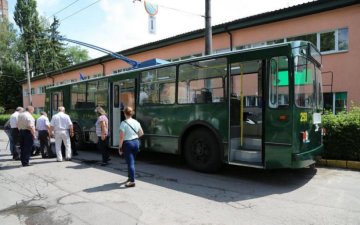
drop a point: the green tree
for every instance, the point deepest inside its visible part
(55, 52)
(76, 54)
(10, 69)
(46, 53)
(27, 19)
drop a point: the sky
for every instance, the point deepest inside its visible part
(118, 25)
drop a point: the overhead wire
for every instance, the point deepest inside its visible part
(63, 9)
(80, 10)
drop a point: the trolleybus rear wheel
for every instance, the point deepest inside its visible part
(202, 151)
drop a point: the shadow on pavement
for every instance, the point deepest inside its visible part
(231, 183)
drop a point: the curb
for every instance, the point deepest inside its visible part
(354, 165)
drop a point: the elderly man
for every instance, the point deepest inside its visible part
(61, 125)
(26, 125)
(43, 128)
(14, 133)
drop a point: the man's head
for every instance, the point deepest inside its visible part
(19, 109)
(30, 109)
(43, 113)
(61, 109)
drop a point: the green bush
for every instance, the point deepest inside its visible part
(342, 139)
(6, 117)
(2, 110)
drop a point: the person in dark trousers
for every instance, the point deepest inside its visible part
(130, 132)
(26, 125)
(43, 128)
(102, 132)
(14, 133)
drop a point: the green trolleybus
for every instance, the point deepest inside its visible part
(258, 107)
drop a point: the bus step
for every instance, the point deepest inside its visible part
(248, 143)
(245, 155)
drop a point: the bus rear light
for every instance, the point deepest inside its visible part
(304, 137)
(282, 117)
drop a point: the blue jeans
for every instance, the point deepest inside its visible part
(131, 148)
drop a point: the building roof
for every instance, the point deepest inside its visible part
(296, 11)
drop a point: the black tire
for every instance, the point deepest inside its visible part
(202, 151)
(78, 137)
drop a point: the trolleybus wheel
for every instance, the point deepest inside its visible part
(202, 151)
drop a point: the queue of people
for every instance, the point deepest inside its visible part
(21, 128)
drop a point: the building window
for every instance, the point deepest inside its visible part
(343, 39)
(307, 37)
(335, 102)
(327, 41)
(40, 90)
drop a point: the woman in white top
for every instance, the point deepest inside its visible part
(130, 131)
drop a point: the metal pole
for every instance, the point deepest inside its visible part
(208, 29)
(28, 76)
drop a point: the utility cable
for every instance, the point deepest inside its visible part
(80, 10)
(63, 9)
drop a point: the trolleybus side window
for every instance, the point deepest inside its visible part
(279, 82)
(158, 86)
(57, 100)
(305, 83)
(89, 95)
(202, 82)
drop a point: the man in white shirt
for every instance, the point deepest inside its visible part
(26, 126)
(60, 125)
(43, 128)
(14, 133)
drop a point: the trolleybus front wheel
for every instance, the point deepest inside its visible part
(202, 151)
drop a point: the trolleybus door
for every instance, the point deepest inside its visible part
(123, 95)
(246, 113)
(279, 120)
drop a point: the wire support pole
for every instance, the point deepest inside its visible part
(208, 29)
(28, 77)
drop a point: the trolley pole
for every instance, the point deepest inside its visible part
(28, 77)
(208, 29)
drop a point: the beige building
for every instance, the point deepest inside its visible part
(333, 26)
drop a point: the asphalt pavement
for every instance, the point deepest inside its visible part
(168, 192)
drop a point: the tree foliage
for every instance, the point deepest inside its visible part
(46, 52)
(10, 69)
(76, 54)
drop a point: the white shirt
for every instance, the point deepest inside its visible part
(61, 121)
(14, 119)
(25, 121)
(42, 123)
